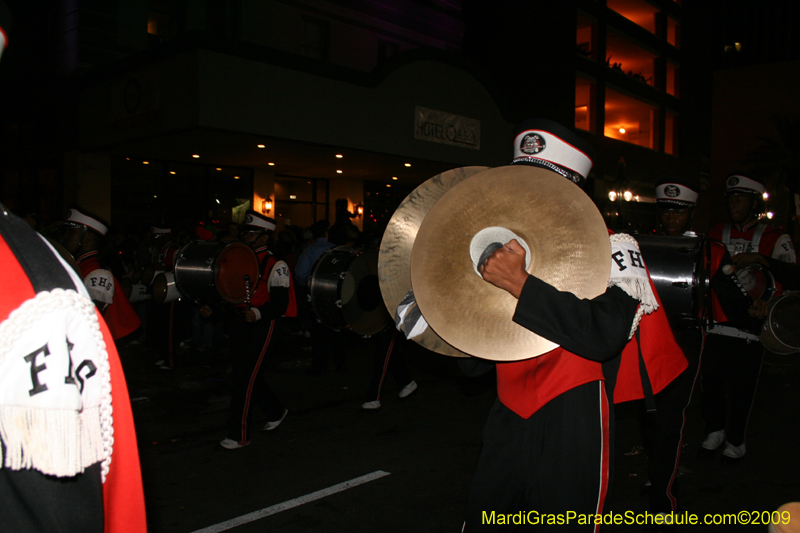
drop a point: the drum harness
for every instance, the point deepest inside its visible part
(729, 331)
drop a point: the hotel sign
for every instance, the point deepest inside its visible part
(446, 128)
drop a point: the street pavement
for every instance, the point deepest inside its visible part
(334, 467)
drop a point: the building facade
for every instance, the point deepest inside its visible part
(194, 108)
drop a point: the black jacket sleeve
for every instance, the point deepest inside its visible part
(596, 329)
(277, 304)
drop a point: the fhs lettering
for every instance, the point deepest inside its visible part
(635, 259)
(85, 370)
(101, 281)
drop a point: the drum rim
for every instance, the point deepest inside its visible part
(354, 253)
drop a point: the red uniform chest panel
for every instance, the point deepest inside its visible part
(526, 386)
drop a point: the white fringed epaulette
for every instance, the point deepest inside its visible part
(55, 386)
(100, 285)
(629, 273)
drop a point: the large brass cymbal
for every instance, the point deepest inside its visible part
(394, 260)
(559, 223)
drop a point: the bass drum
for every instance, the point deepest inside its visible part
(781, 331)
(164, 289)
(679, 268)
(216, 270)
(345, 292)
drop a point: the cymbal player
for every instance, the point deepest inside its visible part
(547, 445)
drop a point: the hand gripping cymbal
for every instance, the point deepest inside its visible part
(552, 217)
(394, 260)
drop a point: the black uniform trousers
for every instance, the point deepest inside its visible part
(249, 351)
(554, 462)
(737, 363)
(159, 330)
(662, 431)
(387, 358)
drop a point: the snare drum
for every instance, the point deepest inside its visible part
(757, 282)
(781, 331)
(679, 269)
(216, 270)
(345, 292)
(149, 273)
(164, 288)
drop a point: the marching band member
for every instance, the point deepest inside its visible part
(662, 430)
(548, 441)
(253, 330)
(82, 237)
(69, 456)
(733, 353)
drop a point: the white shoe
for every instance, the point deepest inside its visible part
(714, 440)
(734, 452)
(371, 405)
(272, 425)
(230, 444)
(408, 389)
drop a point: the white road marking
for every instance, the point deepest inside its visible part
(256, 515)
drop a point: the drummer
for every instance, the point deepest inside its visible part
(252, 333)
(662, 431)
(733, 354)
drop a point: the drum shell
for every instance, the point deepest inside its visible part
(679, 268)
(164, 288)
(136, 292)
(215, 271)
(781, 330)
(345, 291)
(149, 274)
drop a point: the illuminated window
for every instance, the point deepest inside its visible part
(671, 134)
(673, 79)
(584, 42)
(673, 32)
(637, 11)
(584, 104)
(629, 58)
(629, 119)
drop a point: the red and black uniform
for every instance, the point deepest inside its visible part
(71, 493)
(274, 297)
(120, 316)
(553, 415)
(662, 430)
(733, 353)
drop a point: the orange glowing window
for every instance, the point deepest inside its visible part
(637, 11)
(673, 79)
(671, 133)
(673, 32)
(584, 104)
(631, 59)
(630, 120)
